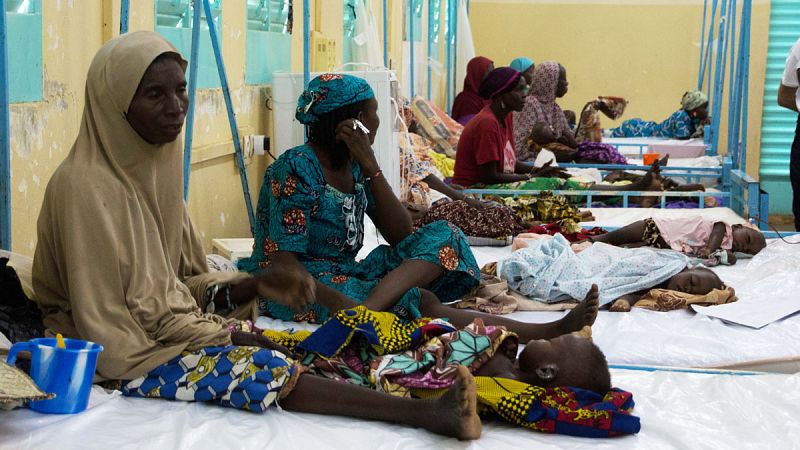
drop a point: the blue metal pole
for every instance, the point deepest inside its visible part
(747, 15)
(718, 78)
(448, 47)
(5, 144)
(455, 47)
(386, 33)
(411, 44)
(430, 38)
(701, 69)
(226, 93)
(306, 44)
(193, 64)
(124, 15)
(733, 83)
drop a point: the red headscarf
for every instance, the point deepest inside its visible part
(469, 102)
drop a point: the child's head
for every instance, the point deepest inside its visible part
(697, 281)
(747, 240)
(570, 116)
(567, 360)
(542, 133)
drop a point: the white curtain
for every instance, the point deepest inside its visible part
(466, 47)
(366, 46)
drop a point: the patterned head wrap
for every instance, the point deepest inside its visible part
(545, 81)
(521, 64)
(499, 81)
(330, 92)
(693, 99)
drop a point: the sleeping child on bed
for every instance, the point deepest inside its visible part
(694, 236)
(684, 123)
(425, 357)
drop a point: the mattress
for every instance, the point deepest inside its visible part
(678, 410)
(636, 146)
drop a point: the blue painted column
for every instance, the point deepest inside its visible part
(5, 144)
(189, 133)
(226, 93)
(124, 16)
(306, 44)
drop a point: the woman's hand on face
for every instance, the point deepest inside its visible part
(290, 286)
(358, 143)
(245, 339)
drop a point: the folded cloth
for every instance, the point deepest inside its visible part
(666, 300)
(490, 221)
(493, 296)
(438, 127)
(553, 228)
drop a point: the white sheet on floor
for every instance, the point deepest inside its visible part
(684, 338)
(678, 410)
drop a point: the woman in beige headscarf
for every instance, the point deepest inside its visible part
(118, 262)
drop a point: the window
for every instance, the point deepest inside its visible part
(417, 17)
(269, 42)
(434, 28)
(24, 20)
(174, 22)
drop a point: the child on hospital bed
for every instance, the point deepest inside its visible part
(694, 236)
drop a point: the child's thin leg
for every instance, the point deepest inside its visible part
(454, 414)
(582, 315)
(629, 234)
(410, 274)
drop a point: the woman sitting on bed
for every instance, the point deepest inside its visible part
(684, 123)
(118, 262)
(311, 216)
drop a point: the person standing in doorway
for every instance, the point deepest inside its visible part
(789, 98)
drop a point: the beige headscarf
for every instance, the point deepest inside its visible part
(118, 260)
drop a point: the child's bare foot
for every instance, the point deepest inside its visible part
(582, 315)
(620, 305)
(455, 412)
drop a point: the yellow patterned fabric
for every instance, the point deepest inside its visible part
(288, 339)
(446, 165)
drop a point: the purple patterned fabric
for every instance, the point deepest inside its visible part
(600, 152)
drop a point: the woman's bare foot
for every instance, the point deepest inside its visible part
(582, 315)
(455, 413)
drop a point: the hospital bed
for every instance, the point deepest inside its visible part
(678, 409)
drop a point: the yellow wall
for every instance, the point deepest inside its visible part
(645, 51)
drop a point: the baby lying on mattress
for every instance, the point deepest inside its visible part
(425, 357)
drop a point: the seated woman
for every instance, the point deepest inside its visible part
(118, 262)
(695, 236)
(311, 215)
(525, 66)
(549, 83)
(485, 152)
(684, 123)
(469, 102)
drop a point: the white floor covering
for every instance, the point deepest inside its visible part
(678, 411)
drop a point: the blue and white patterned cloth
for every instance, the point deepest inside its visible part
(677, 126)
(550, 271)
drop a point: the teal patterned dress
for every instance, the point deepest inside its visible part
(299, 212)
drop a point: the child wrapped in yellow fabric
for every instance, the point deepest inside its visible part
(425, 357)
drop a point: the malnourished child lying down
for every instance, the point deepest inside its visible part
(424, 357)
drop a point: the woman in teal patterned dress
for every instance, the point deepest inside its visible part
(311, 216)
(311, 210)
